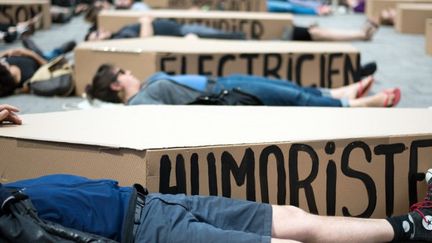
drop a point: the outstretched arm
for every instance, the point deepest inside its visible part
(146, 26)
(7, 114)
(26, 53)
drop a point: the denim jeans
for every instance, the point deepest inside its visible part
(209, 32)
(274, 92)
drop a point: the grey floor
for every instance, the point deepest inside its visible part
(401, 60)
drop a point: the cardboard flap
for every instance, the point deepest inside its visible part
(173, 13)
(154, 127)
(184, 45)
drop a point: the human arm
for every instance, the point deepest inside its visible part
(146, 26)
(26, 53)
(7, 114)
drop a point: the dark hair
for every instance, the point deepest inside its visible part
(7, 82)
(92, 13)
(101, 85)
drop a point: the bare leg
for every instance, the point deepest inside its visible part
(323, 34)
(293, 223)
(354, 90)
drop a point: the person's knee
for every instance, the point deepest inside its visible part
(289, 211)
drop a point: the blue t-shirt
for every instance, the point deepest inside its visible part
(92, 206)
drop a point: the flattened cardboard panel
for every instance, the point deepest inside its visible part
(411, 18)
(375, 7)
(325, 65)
(12, 12)
(259, 26)
(28, 159)
(230, 5)
(306, 69)
(428, 39)
(371, 177)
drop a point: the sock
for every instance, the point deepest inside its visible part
(402, 227)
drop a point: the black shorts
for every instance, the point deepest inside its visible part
(301, 34)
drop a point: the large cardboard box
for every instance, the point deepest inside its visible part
(321, 64)
(362, 162)
(411, 18)
(375, 7)
(227, 5)
(14, 11)
(428, 39)
(260, 26)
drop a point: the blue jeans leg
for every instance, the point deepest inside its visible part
(277, 92)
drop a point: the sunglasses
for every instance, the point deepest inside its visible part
(119, 72)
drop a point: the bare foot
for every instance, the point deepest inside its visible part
(386, 98)
(370, 29)
(355, 90)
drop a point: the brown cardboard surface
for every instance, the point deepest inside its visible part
(411, 18)
(346, 160)
(428, 39)
(375, 7)
(14, 11)
(322, 64)
(263, 26)
(228, 5)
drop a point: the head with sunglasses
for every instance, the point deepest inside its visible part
(113, 84)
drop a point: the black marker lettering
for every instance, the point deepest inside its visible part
(295, 183)
(331, 71)
(281, 175)
(201, 63)
(246, 171)
(194, 177)
(389, 150)
(365, 178)
(272, 71)
(300, 60)
(413, 175)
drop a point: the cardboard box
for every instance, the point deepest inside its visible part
(362, 162)
(14, 11)
(375, 7)
(228, 5)
(321, 64)
(411, 18)
(428, 39)
(260, 26)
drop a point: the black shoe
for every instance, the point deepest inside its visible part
(365, 70)
(10, 36)
(67, 47)
(29, 44)
(368, 69)
(421, 215)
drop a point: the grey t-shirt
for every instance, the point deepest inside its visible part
(166, 92)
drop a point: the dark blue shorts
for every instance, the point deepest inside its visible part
(180, 218)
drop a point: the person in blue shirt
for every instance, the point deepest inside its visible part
(113, 84)
(102, 207)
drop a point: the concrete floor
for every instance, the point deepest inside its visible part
(401, 60)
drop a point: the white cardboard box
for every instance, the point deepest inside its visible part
(322, 64)
(369, 161)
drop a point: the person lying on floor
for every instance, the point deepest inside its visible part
(19, 65)
(308, 7)
(9, 33)
(130, 214)
(148, 26)
(113, 84)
